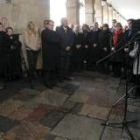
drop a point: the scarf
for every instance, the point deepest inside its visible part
(116, 36)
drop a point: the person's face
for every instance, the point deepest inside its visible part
(91, 27)
(113, 23)
(65, 22)
(51, 26)
(32, 26)
(76, 28)
(130, 24)
(45, 24)
(118, 27)
(96, 26)
(105, 28)
(1, 28)
(10, 32)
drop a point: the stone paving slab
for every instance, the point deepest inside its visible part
(52, 119)
(95, 111)
(49, 97)
(9, 106)
(39, 113)
(6, 124)
(69, 89)
(28, 131)
(77, 127)
(20, 114)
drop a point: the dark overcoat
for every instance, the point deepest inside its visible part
(66, 39)
(50, 49)
(119, 56)
(104, 42)
(94, 45)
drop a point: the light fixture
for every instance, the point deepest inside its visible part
(103, 2)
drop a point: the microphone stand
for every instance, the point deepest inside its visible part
(125, 122)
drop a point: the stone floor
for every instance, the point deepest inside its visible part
(73, 110)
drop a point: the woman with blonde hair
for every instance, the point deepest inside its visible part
(32, 45)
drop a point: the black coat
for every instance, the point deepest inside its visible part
(78, 40)
(86, 51)
(50, 49)
(94, 45)
(66, 39)
(119, 56)
(11, 57)
(104, 42)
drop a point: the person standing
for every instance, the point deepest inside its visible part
(67, 40)
(32, 43)
(117, 41)
(85, 49)
(3, 53)
(51, 54)
(15, 62)
(104, 42)
(112, 29)
(94, 46)
(77, 58)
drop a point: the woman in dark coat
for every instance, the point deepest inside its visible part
(117, 41)
(51, 54)
(104, 43)
(11, 66)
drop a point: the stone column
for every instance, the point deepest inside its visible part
(105, 14)
(114, 14)
(89, 11)
(73, 11)
(98, 12)
(110, 15)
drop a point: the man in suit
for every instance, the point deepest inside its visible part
(114, 21)
(94, 46)
(50, 53)
(77, 58)
(67, 40)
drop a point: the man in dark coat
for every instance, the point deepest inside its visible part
(104, 41)
(51, 54)
(77, 58)
(86, 46)
(67, 40)
(94, 46)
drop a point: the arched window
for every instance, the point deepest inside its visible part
(82, 11)
(57, 10)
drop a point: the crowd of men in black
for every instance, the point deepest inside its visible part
(67, 50)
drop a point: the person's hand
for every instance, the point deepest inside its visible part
(86, 46)
(78, 46)
(68, 48)
(113, 49)
(94, 45)
(126, 50)
(105, 49)
(12, 47)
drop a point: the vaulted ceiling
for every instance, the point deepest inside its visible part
(127, 8)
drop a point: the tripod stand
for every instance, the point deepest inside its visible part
(125, 123)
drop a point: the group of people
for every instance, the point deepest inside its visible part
(65, 50)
